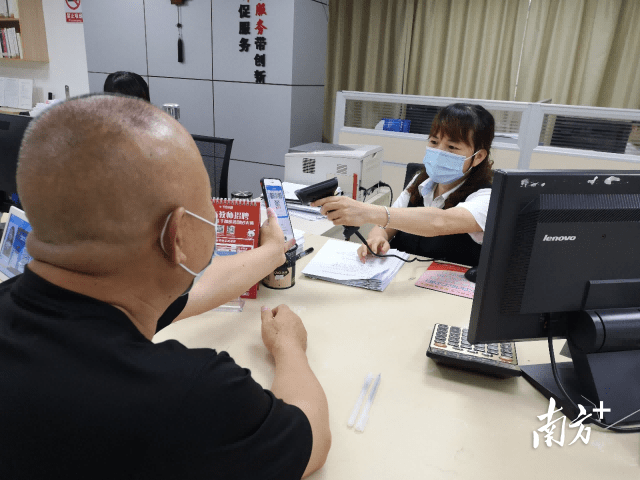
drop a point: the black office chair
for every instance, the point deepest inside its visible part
(412, 169)
(216, 153)
(421, 117)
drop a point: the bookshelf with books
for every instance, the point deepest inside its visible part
(22, 32)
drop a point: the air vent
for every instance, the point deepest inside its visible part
(341, 169)
(309, 165)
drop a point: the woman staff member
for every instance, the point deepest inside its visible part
(442, 213)
(127, 83)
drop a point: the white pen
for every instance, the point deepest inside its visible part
(365, 413)
(356, 408)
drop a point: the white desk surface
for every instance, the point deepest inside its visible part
(427, 421)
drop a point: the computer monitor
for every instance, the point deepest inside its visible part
(13, 252)
(12, 129)
(561, 256)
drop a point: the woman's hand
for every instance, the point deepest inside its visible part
(378, 242)
(346, 211)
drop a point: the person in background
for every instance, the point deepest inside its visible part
(442, 212)
(127, 83)
(123, 226)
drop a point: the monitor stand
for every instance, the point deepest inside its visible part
(615, 377)
(541, 377)
(604, 372)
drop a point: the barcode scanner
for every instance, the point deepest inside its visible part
(314, 192)
(328, 188)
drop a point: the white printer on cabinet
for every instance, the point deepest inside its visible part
(357, 167)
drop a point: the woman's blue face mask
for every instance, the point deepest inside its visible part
(444, 167)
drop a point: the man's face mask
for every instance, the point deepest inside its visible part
(196, 276)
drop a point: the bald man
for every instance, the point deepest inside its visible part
(122, 224)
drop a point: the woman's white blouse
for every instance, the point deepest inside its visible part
(477, 203)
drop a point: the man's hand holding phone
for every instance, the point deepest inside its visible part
(274, 199)
(271, 235)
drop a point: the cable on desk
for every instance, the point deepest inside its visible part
(369, 191)
(574, 405)
(348, 231)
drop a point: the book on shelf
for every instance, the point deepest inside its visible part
(19, 43)
(338, 262)
(238, 229)
(10, 43)
(14, 42)
(3, 43)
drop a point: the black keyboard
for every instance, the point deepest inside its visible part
(450, 346)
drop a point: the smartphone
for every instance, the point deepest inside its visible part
(273, 195)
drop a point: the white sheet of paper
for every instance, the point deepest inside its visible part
(26, 93)
(312, 217)
(289, 190)
(2, 102)
(12, 92)
(339, 260)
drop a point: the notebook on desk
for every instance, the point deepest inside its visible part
(13, 252)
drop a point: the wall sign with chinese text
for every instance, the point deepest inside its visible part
(73, 11)
(252, 33)
(253, 41)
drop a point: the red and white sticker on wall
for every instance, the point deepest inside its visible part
(73, 11)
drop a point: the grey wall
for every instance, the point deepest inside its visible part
(115, 36)
(215, 85)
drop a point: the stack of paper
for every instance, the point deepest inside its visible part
(338, 262)
(295, 206)
(307, 213)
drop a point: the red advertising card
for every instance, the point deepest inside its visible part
(238, 229)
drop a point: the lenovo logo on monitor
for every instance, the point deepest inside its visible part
(563, 238)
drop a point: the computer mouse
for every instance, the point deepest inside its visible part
(471, 274)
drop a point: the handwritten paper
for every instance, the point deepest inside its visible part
(338, 262)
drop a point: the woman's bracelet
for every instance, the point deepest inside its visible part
(388, 218)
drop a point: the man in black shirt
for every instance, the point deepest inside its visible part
(119, 203)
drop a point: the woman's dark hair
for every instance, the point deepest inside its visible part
(462, 122)
(127, 83)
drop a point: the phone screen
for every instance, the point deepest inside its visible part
(274, 198)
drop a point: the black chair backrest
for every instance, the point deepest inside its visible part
(421, 117)
(216, 153)
(412, 169)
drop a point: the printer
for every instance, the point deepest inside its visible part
(358, 168)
